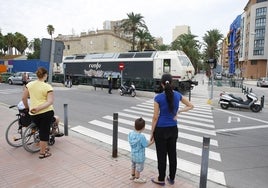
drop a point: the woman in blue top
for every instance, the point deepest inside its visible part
(164, 128)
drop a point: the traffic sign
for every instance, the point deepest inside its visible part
(121, 66)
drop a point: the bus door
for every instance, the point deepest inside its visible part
(161, 66)
(166, 66)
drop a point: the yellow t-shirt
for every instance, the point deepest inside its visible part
(38, 91)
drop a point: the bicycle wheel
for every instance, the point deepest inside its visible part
(30, 138)
(14, 134)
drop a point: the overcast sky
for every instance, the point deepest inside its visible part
(31, 17)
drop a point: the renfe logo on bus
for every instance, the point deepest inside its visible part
(95, 66)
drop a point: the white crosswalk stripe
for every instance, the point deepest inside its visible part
(10, 91)
(20, 90)
(192, 126)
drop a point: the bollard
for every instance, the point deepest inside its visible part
(262, 101)
(65, 119)
(115, 134)
(190, 93)
(204, 163)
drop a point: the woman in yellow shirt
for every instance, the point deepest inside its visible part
(41, 107)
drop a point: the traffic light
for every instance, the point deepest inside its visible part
(212, 63)
(121, 66)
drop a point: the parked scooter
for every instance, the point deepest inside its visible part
(229, 100)
(130, 90)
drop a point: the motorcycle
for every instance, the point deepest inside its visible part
(229, 100)
(130, 90)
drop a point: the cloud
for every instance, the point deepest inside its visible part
(31, 17)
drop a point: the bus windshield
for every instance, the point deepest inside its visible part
(185, 61)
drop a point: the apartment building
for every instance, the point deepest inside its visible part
(179, 30)
(248, 41)
(94, 42)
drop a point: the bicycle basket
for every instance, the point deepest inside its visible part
(25, 118)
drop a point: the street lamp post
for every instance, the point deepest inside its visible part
(212, 81)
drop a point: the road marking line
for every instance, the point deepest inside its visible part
(180, 146)
(180, 120)
(192, 112)
(196, 129)
(181, 134)
(241, 128)
(233, 119)
(233, 113)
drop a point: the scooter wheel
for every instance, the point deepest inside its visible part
(133, 94)
(121, 93)
(255, 108)
(51, 140)
(224, 106)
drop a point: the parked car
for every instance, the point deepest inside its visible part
(4, 76)
(17, 77)
(262, 82)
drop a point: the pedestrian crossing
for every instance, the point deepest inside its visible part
(193, 125)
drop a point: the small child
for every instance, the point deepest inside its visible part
(138, 143)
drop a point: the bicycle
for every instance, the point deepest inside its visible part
(30, 137)
(17, 127)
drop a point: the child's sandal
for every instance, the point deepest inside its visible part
(44, 155)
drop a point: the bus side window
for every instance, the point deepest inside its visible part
(166, 67)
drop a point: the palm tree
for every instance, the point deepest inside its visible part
(132, 24)
(211, 40)
(50, 30)
(2, 44)
(35, 45)
(145, 39)
(21, 42)
(190, 46)
(9, 40)
(162, 47)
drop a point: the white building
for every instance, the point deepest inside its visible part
(179, 30)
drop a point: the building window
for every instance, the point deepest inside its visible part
(253, 62)
(259, 43)
(258, 52)
(260, 22)
(261, 11)
(260, 1)
(260, 32)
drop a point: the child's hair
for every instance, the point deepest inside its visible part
(139, 124)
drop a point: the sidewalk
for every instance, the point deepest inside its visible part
(76, 161)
